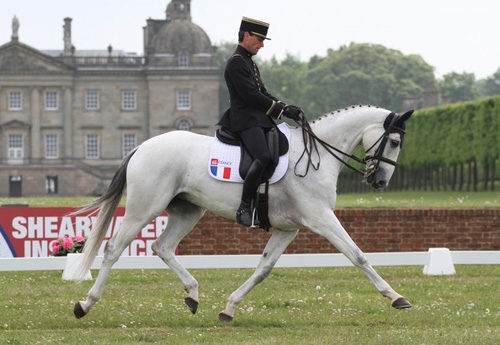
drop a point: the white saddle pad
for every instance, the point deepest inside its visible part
(224, 160)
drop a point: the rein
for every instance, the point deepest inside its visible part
(311, 140)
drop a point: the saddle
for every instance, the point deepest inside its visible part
(276, 142)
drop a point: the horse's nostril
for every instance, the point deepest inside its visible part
(381, 183)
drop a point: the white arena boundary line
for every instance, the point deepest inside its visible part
(251, 261)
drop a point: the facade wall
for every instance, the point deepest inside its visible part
(157, 78)
(373, 230)
(163, 90)
(71, 181)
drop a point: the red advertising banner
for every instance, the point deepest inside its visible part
(29, 232)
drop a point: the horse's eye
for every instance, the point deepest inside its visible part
(394, 143)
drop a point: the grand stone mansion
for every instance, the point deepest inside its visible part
(69, 116)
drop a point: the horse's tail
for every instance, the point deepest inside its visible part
(107, 205)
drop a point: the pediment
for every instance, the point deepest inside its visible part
(16, 57)
(15, 124)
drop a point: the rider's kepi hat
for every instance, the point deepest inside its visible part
(255, 27)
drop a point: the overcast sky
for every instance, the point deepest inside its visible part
(450, 35)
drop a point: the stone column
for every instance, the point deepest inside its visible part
(68, 124)
(146, 131)
(36, 143)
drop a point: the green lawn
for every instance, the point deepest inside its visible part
(419, 199)
(293, 306)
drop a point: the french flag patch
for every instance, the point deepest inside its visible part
(220, 170)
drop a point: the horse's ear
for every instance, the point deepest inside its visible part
(406, 115)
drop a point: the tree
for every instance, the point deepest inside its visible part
(285, 79)
(459, 87)
(491, 85)
(367, 73)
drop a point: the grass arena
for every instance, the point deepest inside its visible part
(335, 305)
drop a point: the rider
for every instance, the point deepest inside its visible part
(252, 109)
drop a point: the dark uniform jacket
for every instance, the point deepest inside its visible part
(251, 104)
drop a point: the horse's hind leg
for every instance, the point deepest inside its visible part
(276, 245)
(130, 227)
(182, 217)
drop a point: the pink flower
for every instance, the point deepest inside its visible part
(67, 243)
(79, 239)
(55, 248)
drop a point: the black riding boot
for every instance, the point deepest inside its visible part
(250, 186)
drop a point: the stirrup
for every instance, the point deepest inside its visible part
(255, 220)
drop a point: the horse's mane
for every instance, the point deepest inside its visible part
(340, 110)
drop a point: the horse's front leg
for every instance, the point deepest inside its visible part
(330, 227)
(276, 245)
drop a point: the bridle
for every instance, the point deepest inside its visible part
(311, 141)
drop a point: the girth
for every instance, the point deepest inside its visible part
(276, 142)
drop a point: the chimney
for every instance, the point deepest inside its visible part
(67, 36)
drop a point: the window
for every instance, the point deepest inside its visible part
(15, 146)
(184, 125)
(15, 100)
(51, 146)
(129, 100)
(183, 60)
(129, 142)
(92, 100)
(51, 100)
(92, 146)
(183, 100)
(51, 185)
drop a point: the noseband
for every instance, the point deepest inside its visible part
(391, 125)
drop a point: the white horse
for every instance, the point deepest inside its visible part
(169, 172)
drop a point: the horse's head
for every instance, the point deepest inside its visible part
(382, 146)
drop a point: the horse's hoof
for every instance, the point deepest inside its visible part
(401, 303)
(225, 318)
(191, 304)
(78, 310)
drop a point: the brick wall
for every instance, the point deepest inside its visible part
(374, 230)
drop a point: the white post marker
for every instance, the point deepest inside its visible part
(440, 262)
(72, 263)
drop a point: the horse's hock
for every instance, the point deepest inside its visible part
(374, 230)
